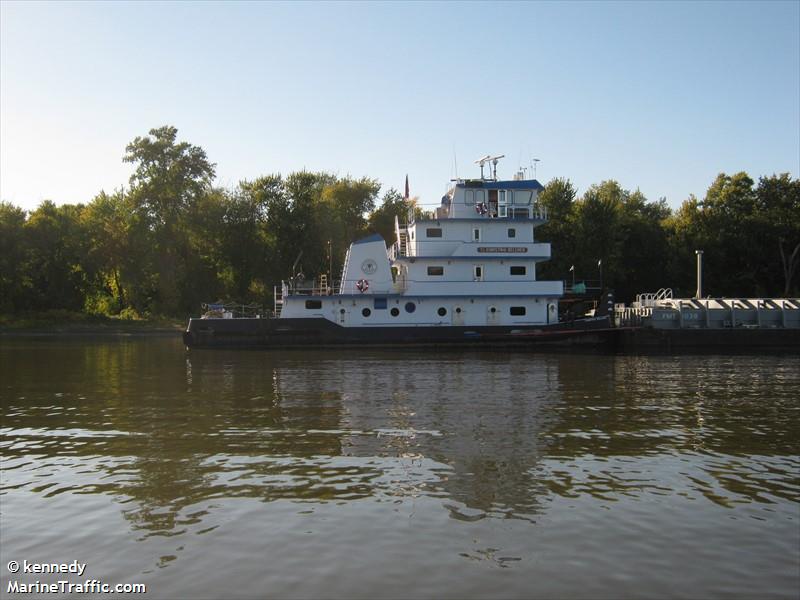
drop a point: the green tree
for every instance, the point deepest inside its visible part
(344, 208)
(778, 212)
(14, 271)
(558, 198)
(305, 235)
(624, 232)
(346, 205)
(732, 244)
(57, 246)
(168, 181)
(645, 245)
(116, 260)
(684, 235)
(596, 224)
(382, 219)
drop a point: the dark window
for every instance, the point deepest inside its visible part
(433, 232)
(366, 312)
(520, 213)
(517, 311)
(313, 304)
(395, 311)
(380, 303)
(478, 272)
(512, 232)
(410, 307)
(518, 270)
(435, 270)
(476, 235)
(442, 311)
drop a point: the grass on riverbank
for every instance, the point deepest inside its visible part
(64, 321)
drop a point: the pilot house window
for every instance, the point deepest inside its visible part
(520, 213)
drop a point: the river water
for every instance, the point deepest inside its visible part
(210, 474)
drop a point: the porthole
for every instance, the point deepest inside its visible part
(342, 311)
(442, 311)
(493, 310)
(458, 310)
(410, 307)
(366, 312)
(395, 311)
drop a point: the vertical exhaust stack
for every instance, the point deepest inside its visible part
(699, 293)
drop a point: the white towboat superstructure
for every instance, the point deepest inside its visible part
(472, 264)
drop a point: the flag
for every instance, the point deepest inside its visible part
(406, 196)
(572, 268)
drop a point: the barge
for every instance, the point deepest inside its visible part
(658, 321)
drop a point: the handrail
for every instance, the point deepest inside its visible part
(650, 298)
(230, 310)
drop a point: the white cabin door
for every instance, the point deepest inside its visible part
(492, 315)
(458, 316)
(341, 316)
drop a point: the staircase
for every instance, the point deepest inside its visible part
(277, 294)
(402, 238)
(344, 269)
(403, 242)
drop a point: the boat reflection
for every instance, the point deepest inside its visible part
(167, 434)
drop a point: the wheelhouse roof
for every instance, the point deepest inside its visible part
(517, 184)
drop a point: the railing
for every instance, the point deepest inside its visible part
(631, 317)
(583, 286)
(231, 310)
(308, 288)
(649, 299)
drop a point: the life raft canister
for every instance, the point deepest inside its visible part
(362, 285)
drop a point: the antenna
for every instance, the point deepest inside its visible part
(494, 165)
(483, 161)
(490, 159)
(534, 162)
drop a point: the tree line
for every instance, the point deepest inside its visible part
(172, 240)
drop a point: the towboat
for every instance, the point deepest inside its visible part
(462, 275)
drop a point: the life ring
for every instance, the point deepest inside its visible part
(481, 208)
(362, 285)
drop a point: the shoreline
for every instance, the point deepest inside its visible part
(43, 327)
(88, 332)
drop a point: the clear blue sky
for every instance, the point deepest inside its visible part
(659, 96)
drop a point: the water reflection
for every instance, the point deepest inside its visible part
(493, 433)
(170, 437)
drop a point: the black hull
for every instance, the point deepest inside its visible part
(731, 340)
(320, 333)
